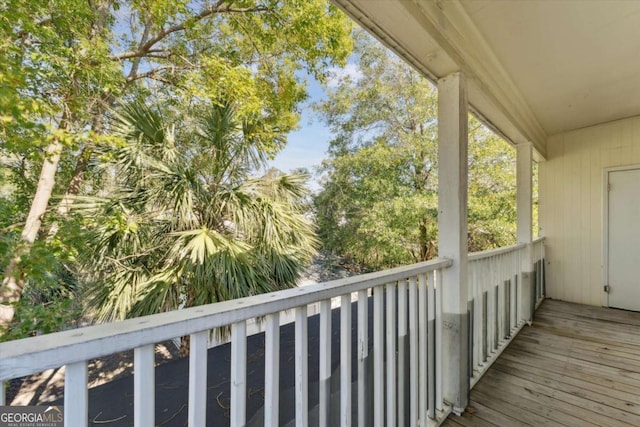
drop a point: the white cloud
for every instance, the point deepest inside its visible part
(349, 71)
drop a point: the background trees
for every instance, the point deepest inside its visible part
(184, 223)
(65, 64)
(378, 204)
(152, 208)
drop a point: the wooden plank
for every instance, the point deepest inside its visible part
(271, 370)
(378, 357)
(620, 350)
(345, 360)
(431, 349)
(144, 401)
(198, 345)
(325, 363)
(572, 374)
(494, 417)
(301, 367)
(528, 405)
(391, 368)
(422, 354)
(75, 390)
(413, 351)
(586, 368)
(363, 355)
(591, 312)
(504, 405)
(403, 371)
(621, 330)
(596, 407)
(470, 420)
(597, 359)
(439, 286)
(577, 406)
(238, 373)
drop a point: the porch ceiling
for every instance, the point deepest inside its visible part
(534, 68)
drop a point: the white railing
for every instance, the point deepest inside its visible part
(403, 345)
(495, 304)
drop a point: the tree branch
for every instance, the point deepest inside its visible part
(154, 74)
(145, 47)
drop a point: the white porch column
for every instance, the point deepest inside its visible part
(524, 223)
(452, 236)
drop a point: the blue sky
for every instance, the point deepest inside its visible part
(307, 146)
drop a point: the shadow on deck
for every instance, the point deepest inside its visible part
(576, 365)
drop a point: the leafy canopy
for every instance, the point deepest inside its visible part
(378, 204)
(185, 223)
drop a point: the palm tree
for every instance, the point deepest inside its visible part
(184, 223)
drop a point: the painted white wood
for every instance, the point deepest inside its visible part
(572, 208)
(431, 344)
(474, 286)
(26, 357)
(325, 363)
(439, 304)
(238, 373)
(378, 357)
(76, 407)
(302, 368)
(524, 234)
(403, 372)
(423, 339)
(476, 256)
(442, 28)
(392, 329)
(198, 345)
(622, 238)
(414, 372)
(452, 232)
(144, 402)
(524, 192)
(272, 370)
(345, 360)
(363, 353)
(513, 289)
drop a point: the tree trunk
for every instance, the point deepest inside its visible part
(82, 165)
(424, 241)
(13, 282)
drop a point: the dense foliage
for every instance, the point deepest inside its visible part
(65, 65)
(184, 223)
(379, 199)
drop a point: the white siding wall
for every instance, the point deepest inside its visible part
(571, 204)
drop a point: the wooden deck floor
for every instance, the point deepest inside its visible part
(576, 366)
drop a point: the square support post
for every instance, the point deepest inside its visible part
(524, 223)
(452, 236)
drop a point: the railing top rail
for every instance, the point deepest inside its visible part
(475, 256)
(538, 240)
(30, 355)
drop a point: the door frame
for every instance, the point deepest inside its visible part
(605, 225)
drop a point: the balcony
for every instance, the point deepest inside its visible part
(576, 365)
(377, 339)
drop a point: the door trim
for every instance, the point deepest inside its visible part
(605, 225)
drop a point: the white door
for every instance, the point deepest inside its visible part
(624, 238)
